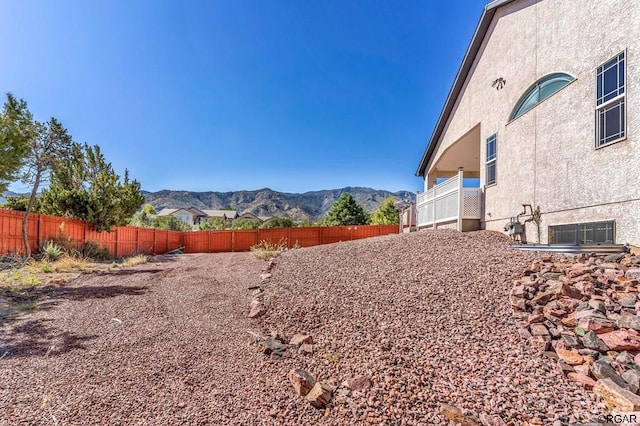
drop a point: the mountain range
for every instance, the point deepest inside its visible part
(267, 202)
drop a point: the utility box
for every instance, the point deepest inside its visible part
(515, 228)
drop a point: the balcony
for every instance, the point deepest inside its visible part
(450, 205)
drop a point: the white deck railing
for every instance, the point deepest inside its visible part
(448, 202)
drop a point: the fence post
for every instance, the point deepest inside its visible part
(289, 238)
(84, 232)
(233, 240)
(117, 242)
(38, 238)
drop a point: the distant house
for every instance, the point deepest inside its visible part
(544, 111)
(194, 216)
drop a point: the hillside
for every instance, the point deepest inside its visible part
(266, 202)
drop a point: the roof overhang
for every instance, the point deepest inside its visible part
(461, 77)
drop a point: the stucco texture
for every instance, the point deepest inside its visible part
(547, 156)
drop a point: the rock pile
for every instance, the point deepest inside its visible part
(318, 394)
(583, 311)
(257, 308)
(276, 346)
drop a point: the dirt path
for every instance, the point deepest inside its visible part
(162, 343)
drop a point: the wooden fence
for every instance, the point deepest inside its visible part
(129, 240)
(243, 240)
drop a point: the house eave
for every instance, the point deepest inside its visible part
(461, 77)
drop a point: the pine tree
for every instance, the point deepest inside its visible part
(87, 188)
(16, 130)
(345, 211)
(386, 214)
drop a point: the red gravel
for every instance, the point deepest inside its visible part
(425, 316)
(158, 344)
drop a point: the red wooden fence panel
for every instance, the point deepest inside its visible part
(220, 241)
(306, 237)
(196, 242)
(55, 228)
(244, 239)
(146, 241)
(336, 234)
(174, 240)
(160, 241)
(275, 236)
(127, 241)
(104, 239)
(11, 232)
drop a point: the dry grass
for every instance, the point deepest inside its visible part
(34, 273)
(267, 249)
(134, 260)
(71, 264)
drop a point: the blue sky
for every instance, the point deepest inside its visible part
(222, 95)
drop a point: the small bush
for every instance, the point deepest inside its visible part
(46, 267)
(52, 251)
(63, 241)
(267, 249)
(91, 250)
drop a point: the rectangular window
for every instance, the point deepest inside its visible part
(583, 233)
(491, 159)
(610, 101)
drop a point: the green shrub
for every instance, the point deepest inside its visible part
(211, 224)
(242, 223)
(52, 251)
(66, 243)
(387, 214)
(91, 250)
(278, 222)
(46, 267)
(170, 223)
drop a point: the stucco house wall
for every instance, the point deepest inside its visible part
(547, 156)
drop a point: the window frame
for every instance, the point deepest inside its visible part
(517, 110)
(491, 161)
(578, 232)
(619, 100)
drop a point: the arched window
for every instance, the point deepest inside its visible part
(539, 91)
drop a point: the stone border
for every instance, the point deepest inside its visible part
(584, 313)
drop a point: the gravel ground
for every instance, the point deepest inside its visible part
(424, 316)
(160, 344)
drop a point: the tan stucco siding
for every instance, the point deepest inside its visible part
(547, 156)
